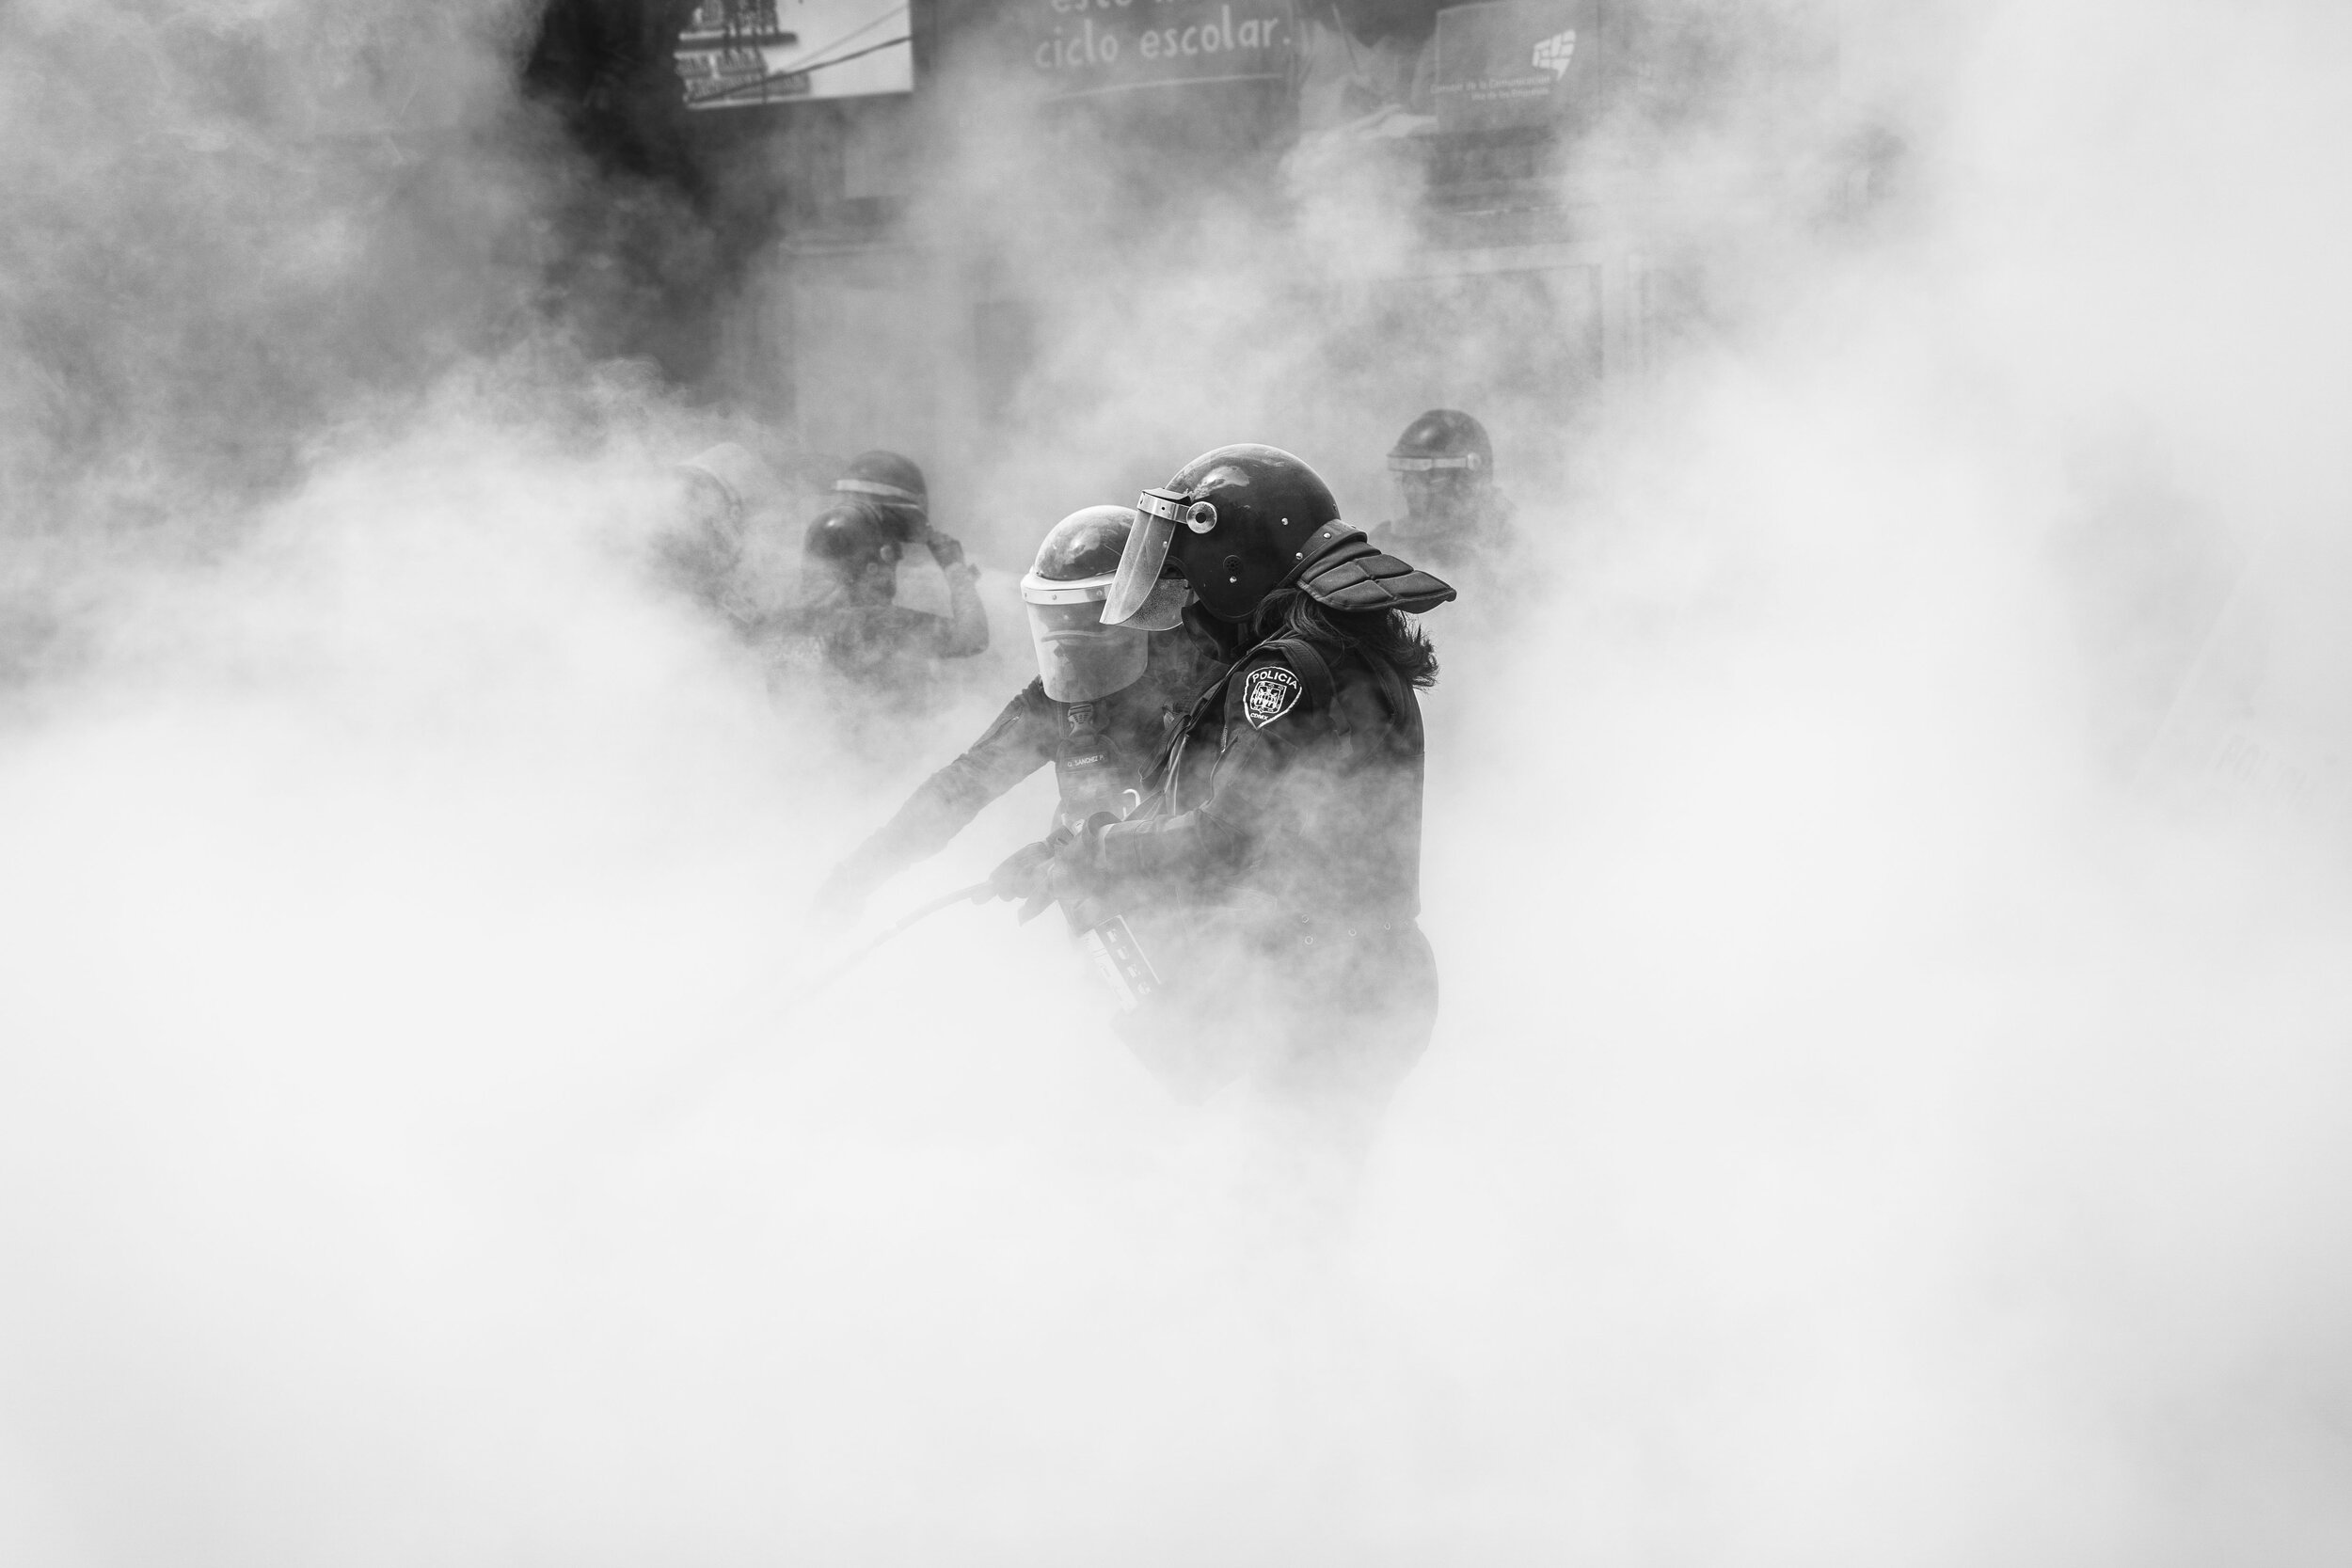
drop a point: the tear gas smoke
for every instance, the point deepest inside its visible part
(1869, 1120)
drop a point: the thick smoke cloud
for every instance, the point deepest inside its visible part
(1886, 1106)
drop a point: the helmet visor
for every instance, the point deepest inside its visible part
(875, 487)
(1078, 658)
(1139, 563)
(1164, 607)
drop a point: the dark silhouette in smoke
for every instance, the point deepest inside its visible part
(653, 242)
(1858, 1130)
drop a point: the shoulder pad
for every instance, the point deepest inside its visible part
(1358, 576)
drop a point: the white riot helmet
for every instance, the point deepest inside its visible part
(1079, 658)
(726, 487)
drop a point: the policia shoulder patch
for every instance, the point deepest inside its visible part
(1269, 692)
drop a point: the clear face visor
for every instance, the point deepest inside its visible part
(1078, 658)
(877, 488)
(1140, 596)
(1469, 462)
(1438, 488)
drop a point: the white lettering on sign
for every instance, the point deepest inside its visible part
(1162, 48)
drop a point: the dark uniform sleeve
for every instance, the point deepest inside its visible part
(1271, 719)
(1009, 750)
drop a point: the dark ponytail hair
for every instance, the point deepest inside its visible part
(1384, 634)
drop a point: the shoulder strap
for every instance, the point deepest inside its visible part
(1403, 705)
(1162, 773)
(1308, 661)
(1316, 672)
(1392, 684)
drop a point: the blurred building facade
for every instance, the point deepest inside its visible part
(830, 285)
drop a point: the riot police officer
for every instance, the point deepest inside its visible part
(1272, 871)
(1454, 519)
(1100, 710)
(722, 493)
(865, 564)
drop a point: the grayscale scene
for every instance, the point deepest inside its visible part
(1175, 784)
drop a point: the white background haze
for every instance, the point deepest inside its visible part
(1862, 1127)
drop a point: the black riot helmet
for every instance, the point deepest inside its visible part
(1242, 521)
(884, 476)
(1078, 559)
(1440, 440)
(851, 549)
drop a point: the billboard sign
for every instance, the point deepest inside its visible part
(1509, 63)
(738, 54)
(1079, 47)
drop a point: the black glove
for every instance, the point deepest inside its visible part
(1080, 850)
(901, 524)
(1024, 879)
(1082, 885)
(1064, 867)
